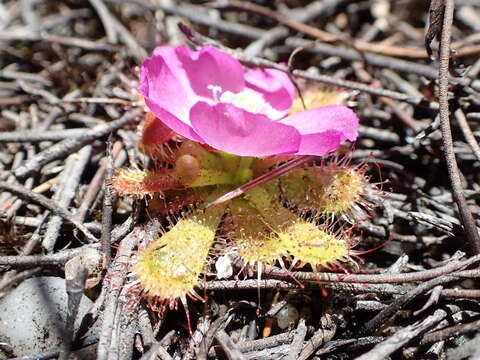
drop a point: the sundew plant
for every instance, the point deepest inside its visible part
(212, 126)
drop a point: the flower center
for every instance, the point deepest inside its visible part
(247, 99)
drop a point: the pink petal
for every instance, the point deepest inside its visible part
(319, 144)
(170, 57)
(166, 96)
(233, 130)
(275, 86)
(177, 75)
(323, 129)
(332, 117)
(210, 67)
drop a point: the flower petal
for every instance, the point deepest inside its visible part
(320, 143)
(211, 67)
(168, 54)
(324, 128)
(173, 122)
(233, 130)
(163, 80)
(174, 79)
(166, 96)
(275, 86)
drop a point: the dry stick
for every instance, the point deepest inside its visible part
(125, 328)
(472, 73)
(364, 76)
(449, 332)
(68, 146)
(122, 230)
(400, 83)
(229, 347)
(402, 337)
(33, 136)
(432, 300)
(76, 273)
(297, 343)
(385, 62)
(217, 325)
(84, 342)
(277, 352)
(20, 75)
(436, 351)
(156, 351)
(349, 54)
(269, 342)
(29, 88)
(328, 329)
(348, 344)
(453, 172)
(53, 115)
(309, 12)
(61, 18)
(382, 289)
(112, 286)
(264, 11)
(17, 203)
(49, 204)
(467, 132)
(197, 15)
(145, 328)
(403, 51)
(70, 180)
(275, 272)
(252, 284)
(64, 40)
(35, 222)
(17, 277)
(458, 293)
(401, 114)
(467, 350)
(399, 303)
(105, 17)
(364, 88)
(107, 209)
(379, 134)
(6, 199)
(96, 184)
(59, 258)
(239, 285)
(114, 27)
(97, 100)
(436, 222)
(28, 248)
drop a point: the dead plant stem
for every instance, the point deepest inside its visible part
(453, 171)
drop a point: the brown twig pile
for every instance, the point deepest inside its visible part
(69, 110)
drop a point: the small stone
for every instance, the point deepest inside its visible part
(224, 267)
(287, 318)
(33, 315)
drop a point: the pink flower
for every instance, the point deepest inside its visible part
(208, 97)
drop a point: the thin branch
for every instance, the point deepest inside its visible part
(49, 204)
(453, 171)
